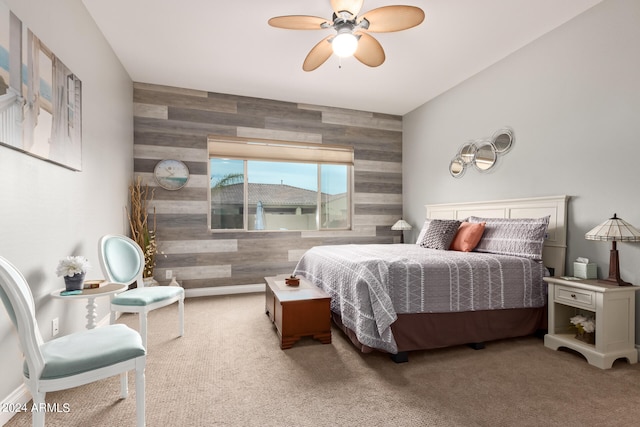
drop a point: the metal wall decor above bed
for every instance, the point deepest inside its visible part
(482, 153)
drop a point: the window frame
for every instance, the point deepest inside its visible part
(256, 149)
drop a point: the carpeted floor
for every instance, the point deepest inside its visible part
(228, 370)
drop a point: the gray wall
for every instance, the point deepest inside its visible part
(174, 123)
(573, 99)
(48, 212)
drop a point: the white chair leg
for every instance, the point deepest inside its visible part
(181, 315)
(38, 410)
(124, 386)
(140, 405)
(143, 328)
(112, 318)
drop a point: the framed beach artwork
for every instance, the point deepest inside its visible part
(40, 98)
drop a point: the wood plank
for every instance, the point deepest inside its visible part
(270, 108)
(377, 155)
(162, 152)
(359, 121)
(184, 101)
(377, 198)
(294, 255)
(170, 140)
(195, 272)
(335, 110)
(204, 246)
(182, 128)
(382, 220)
(139, 86)
(164, 221)
(365, 136)
(151, 111)
(384, 177)
(279, 135)
(268, 268)
(378, 210)
(202, 116)
(186, 207)
(378, 166)
(378, 187)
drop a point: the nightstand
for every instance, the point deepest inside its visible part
(614, 310)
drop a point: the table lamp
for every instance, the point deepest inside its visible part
(401, 225)
(614, 230)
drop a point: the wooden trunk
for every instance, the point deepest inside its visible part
(297, 311)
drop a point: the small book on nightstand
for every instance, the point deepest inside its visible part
(93, 284)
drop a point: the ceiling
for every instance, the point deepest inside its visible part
(228, 47)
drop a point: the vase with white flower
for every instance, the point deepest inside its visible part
(73, 269)
(585, 328)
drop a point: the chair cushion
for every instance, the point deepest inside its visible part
(146, 296)
(89, 350)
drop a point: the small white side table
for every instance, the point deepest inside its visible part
(614, 309)
(91, 295)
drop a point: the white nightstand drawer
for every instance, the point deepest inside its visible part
(575, 297)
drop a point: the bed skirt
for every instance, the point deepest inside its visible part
(424, 331)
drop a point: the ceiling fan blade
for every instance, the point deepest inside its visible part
(387, 19)
(298, 22)
(318, 55)
(352, 6)
(370, 51)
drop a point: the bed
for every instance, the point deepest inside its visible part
(398, 298)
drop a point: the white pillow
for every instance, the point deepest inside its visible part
(423, 231)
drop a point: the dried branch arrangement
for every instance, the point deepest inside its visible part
(142, 232)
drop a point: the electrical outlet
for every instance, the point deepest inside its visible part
(168, 274)
(55, 329)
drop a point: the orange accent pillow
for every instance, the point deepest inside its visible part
(467, 237)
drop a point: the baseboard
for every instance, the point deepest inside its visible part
(223, 290)
(17, 398)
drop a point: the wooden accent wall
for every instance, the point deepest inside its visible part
(173, 123)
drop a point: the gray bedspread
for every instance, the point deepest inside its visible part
(370, 284)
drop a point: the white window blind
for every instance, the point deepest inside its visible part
(265, 149)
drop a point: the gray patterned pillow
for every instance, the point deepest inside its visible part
(522, 237)
(440, 234)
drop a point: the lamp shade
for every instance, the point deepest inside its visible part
(614, 229)
(401, 224)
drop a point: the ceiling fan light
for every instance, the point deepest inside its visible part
(344, 44)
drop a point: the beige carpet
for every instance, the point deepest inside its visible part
(228, 370)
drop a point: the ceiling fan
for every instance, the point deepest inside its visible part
(352, 31)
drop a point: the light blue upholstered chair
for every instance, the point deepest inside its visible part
(122, 261)
(72, 360)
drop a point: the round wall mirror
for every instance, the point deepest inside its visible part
(485, 157)
(456, 167)
(468, 153)
(502, 140)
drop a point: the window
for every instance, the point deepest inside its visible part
(273, 185)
